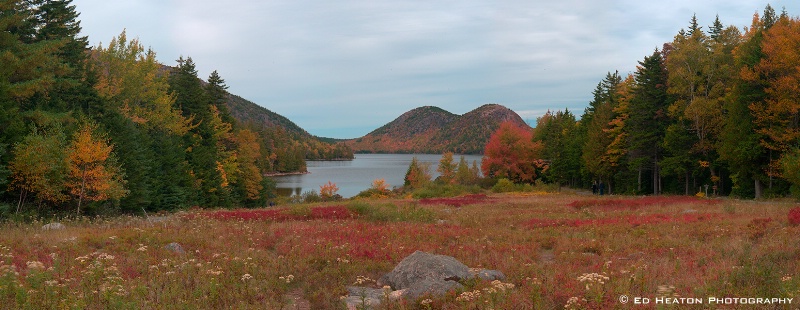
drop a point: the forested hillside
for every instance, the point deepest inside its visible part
(434, 130)
(111, 128)
(716, 110)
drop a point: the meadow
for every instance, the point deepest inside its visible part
(563, 251)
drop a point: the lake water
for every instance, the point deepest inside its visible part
(354, 176)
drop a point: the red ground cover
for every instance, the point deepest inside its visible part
(633, 220)
(620, 204)
(456, 201)
(278, 214)
(794, 216)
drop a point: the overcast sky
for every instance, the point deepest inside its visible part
(343, 68)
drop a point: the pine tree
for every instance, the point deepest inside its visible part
(597, 140)
(648, 124)
(57, 21)
(447, 168)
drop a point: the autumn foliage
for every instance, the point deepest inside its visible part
(93, 174)
(512, 154)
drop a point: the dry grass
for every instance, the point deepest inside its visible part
(557, 250)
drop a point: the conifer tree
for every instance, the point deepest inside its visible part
(647, 126)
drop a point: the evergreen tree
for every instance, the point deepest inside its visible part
(716, 29)
(218, 94)
(605, 100)
(648, 124)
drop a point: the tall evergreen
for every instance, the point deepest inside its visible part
(648, 122)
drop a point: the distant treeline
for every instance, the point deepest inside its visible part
(717, 107)
(109, 128)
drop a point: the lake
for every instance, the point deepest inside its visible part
(354, 176)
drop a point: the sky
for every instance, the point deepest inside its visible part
(343, 68)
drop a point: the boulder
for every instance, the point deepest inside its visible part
(430, 287)
(417, 276)
(175, 247)
(425, 266)
(53, 226)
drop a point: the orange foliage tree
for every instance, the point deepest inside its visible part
(93, 173)
(778, 117)
(418, 174)
(327, 191)
(512, 154)
(447, 168)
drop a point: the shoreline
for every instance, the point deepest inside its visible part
(281, 174)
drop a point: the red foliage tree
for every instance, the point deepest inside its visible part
(512, 154)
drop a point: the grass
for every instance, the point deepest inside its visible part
(557, 250)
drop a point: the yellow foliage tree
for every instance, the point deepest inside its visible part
(248, 150)
(132, 80)
(92, 172)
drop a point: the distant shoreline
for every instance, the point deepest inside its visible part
(281, 174)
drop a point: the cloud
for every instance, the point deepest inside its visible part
(342, 68)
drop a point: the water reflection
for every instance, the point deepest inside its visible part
(357, 175)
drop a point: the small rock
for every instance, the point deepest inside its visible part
(175, 247)
(689, 211)
(53, 226)
(490, 275)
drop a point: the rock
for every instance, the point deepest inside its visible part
(687, 211)
(360, 297)
(430, 287)
(175, 247)
(490, 275)
(417, 276)
(53, 226)
(425, 266)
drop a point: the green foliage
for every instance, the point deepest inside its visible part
(432, 190)
(391, 212)
(40, 167)
(504, 185)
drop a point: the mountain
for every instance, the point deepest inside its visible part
(283, 134)
(434, 130)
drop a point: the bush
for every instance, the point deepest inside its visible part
(794, 216)
(433, 190)
(503, 186)
(391, 212)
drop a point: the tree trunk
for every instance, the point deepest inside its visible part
(639, 188)
(686, 177)
(83, 185)
(21, 199)
(758, 188)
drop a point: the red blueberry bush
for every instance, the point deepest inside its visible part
(794, 216)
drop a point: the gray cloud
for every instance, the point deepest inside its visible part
(343, 68)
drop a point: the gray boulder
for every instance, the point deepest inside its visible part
(425, 266)
(430, 287)
(53, 226)
(175, 247)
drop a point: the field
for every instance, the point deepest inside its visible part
(558, 250)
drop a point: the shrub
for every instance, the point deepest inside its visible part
(328, 191)
(432, 190)
(503, 186)
(794, 216)
(391, 212)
